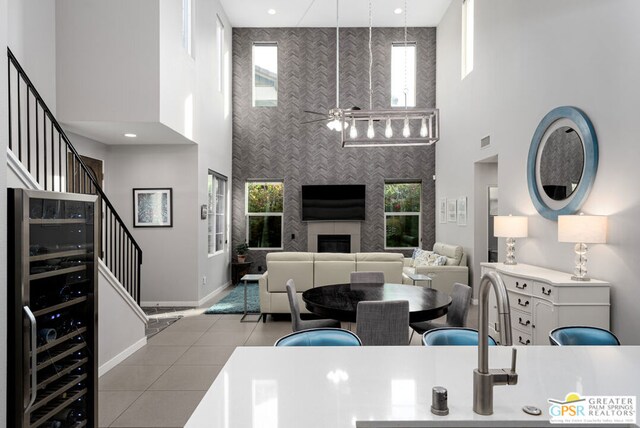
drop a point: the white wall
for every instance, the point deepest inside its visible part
(212, 131)
(186, 99)
(170, 257)
(107, 60)
(3, 211)
(122, 325)
(191, 104)
(32, 39)
(531, 57)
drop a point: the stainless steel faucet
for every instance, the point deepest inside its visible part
(483, 378)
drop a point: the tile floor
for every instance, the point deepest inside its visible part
(162, 383)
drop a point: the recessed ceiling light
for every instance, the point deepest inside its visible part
(130, 135)
(397, 11)
(271, 11)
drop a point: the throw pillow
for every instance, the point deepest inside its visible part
(421, 258)
(430, 259)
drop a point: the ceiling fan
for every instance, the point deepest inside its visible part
(334, 116)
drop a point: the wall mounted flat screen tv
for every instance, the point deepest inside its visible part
(333, 202)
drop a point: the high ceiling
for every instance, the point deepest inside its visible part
(322, 13)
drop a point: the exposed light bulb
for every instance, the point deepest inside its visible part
(423, 128)
(406, 132)
(353, 133)
(370, 131)
(388, 132)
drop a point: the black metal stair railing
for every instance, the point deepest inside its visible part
(40, 144)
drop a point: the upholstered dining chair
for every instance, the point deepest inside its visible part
(383, 323)
(298, 323)
(453, 336)
(582, 336)
(320, 337)
(367, 277)
(456, 314)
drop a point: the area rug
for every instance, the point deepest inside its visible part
(233, 303)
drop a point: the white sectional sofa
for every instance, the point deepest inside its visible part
(443, 277)
(310, 270)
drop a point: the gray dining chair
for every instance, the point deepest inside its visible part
(367, 277)
(298, 323)
(456, 315)
(383, 323)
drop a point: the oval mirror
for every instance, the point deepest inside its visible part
(562, 163)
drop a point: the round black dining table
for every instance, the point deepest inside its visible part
(340, 301)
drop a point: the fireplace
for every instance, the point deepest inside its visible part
(334, 243)
(343, 229)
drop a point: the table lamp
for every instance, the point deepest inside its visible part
(510, 227)
(582, 230)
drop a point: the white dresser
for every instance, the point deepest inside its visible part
(543, 299)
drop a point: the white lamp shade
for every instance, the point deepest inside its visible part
(510, 226)
(588, 229)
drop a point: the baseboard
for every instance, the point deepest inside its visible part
(185, 303)
(213, 294)
(169, 304)
(103, 369)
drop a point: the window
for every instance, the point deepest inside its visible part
(402, 215)
(403, 74)
(264, 214)
(265, 74)
(467, 37)
(187, 26)
(217, 212)
(220, 59)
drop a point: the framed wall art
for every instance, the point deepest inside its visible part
(451, 211)
(462, 211)
(443, 210)
(153, 207)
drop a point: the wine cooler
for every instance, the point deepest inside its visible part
(52, 326)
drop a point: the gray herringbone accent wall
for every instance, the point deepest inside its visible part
(271, 142)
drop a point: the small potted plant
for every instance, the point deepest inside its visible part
(242, 250)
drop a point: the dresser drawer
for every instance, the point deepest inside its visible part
(521, 321)
(575, 293)
(521, 339)
(517, 284)
(520, 302)
(545, 291)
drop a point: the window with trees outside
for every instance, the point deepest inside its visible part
(217, 212)
(402, 214)
(264, 208)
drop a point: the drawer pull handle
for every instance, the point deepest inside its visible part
(527, 342)
(523, 323)
(524, 285)
(525, 304)
(546, 291)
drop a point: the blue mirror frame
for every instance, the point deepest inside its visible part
(590, 144)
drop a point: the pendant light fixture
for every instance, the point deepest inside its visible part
(428, 118)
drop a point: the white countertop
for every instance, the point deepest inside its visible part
(336, 386)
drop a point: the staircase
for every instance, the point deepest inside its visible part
(46, 157)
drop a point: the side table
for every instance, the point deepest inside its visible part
(420, 277)
(252, 277)
(238, 270)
